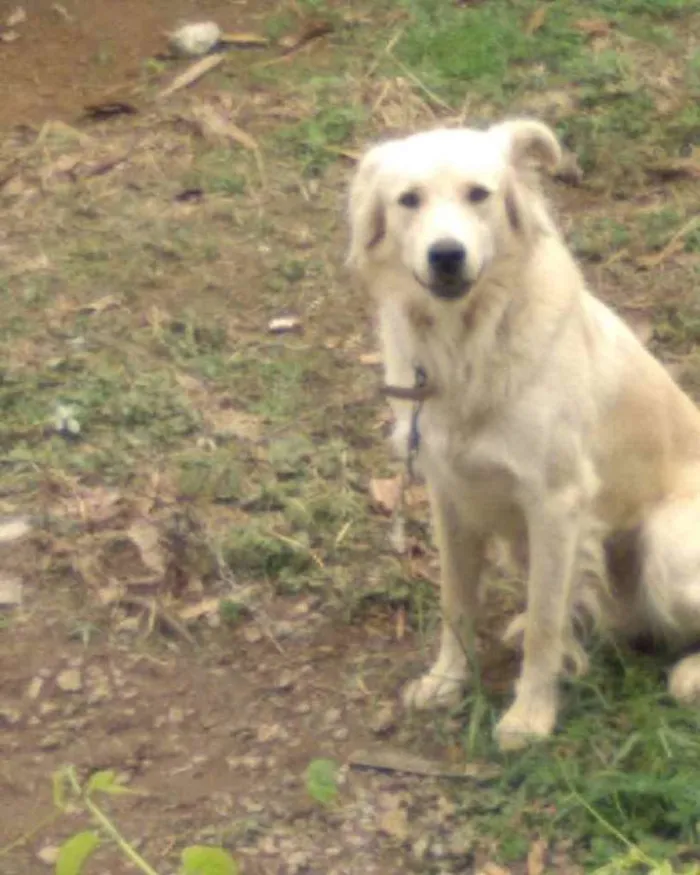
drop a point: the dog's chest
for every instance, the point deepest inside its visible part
(471, 464)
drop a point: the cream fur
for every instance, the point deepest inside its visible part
(551, 426)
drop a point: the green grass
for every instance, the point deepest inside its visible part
(621, 770)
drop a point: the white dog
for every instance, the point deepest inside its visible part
(533, 412)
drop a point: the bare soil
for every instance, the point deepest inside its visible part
(69, 55)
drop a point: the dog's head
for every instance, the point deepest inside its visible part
(439, 203)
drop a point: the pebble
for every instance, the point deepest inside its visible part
(69, 680)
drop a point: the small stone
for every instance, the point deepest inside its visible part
(13, 528)
(384, 721)
(46, 708)
(252, 634)
(49, 854)
(52, 741)
(69, 680)
(332, 715)
(341, 734)
(286, 681)
(10, 591)
(420, 847)
(272, 732)
(176, 716)
(34, 688)
(10, 716)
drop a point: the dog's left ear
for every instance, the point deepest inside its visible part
(529, 142)
(367, 220)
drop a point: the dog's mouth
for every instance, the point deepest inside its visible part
(447, 288)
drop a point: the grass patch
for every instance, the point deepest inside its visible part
(620, 774)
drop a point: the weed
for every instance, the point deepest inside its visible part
(69, 796)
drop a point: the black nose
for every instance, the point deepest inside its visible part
(446, 259)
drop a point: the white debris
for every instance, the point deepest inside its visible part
(193, 40)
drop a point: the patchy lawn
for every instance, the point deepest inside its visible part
(210, 598)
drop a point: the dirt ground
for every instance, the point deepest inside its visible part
(216, 727)
(69, 55)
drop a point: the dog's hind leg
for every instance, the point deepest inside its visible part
(670, 587)
(461, 554)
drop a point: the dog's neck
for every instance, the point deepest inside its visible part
(472, 351)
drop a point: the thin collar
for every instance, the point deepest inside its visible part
(420, 391)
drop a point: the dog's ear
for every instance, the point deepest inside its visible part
(529, 142)
(367, 219)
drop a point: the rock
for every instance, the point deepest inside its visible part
(252, 634)
(286, 681)
(99, 687)
(383, 723)
(13, 528)
(10, 591)
(394, 823)
(48, 854)
(10, 716)
(69, 680)
(34, 688)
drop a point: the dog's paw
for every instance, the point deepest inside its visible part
(684, 680)
(432, 691)
(524, 723)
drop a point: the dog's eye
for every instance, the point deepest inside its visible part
(478, 194)
(410, 199)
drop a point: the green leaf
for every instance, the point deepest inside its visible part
(105, 782)
(322, 781)
(75, 851)
(205, 860)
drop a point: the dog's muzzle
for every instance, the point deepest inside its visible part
(447, 265)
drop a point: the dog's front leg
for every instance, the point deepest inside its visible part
(461, 554)
(554, 532)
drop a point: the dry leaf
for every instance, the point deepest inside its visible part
(394, 823)
(213, 123)
(10, 591)
(536, 857)
(106, 302)
(536, 20)
(146, 537)
(19, 16)
(191, 74)
(593, 27)
(386, 493)
(244, 39)
(400, 630)
(311, 31)
(285, 325)
(390, 759)
(679, 168)
(229, 422)
(93, 506)
(13, 529)
(8, 36)
(493, 869)
(201, 609)
(371, 358)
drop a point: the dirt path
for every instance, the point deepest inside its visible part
(68, 55)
